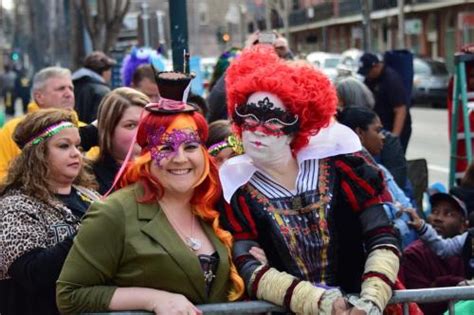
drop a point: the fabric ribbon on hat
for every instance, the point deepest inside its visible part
(167, 105)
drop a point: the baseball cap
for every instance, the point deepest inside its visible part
(366, 62)
(98, 61)
(453, 199)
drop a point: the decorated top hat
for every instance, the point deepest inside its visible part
(174, 89)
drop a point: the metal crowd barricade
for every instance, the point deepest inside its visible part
(451, 294)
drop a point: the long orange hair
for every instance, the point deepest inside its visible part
(205, 196)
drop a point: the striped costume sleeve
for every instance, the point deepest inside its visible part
(362, 185)
(237, 218)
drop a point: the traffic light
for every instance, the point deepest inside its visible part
(15, 56)
(223, 36)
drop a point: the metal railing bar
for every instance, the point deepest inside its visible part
(433, 295)
(451, 294)
(406, 309)
(451, 307)
(242, 307)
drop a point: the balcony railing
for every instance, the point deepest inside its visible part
(347, 8)
(325, 10)
(298, 17)
(320, 12)
(383, 4)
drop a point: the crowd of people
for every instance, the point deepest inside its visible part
(288, 189)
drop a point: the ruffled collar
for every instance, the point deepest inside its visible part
(331, 141)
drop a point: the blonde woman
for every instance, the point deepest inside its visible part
(118, 116)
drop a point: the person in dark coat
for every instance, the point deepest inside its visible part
(390, 96)
(22, 88)
(91, 84)
(7, 88)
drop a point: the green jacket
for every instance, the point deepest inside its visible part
(123, 243)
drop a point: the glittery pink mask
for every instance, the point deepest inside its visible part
(165, 145)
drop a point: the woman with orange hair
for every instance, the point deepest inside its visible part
(156, 244)
(303, 194)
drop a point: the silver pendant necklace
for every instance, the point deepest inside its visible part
(193, 243)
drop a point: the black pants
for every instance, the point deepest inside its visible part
(405, 137)
(9, 101)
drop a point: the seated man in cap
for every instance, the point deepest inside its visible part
(91, 84)
(390, 96)
(421, 267)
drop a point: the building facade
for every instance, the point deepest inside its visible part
(433, 28)
(213, 25)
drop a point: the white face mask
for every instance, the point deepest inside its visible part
(265, 149)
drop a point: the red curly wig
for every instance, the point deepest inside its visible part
(205, 196)
(305, 91)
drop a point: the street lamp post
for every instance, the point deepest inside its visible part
(268, 15)
(179, 32)
(366, 25)
(243, 23)
(401, 24)
(146, 24)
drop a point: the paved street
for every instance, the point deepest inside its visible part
(430, 140)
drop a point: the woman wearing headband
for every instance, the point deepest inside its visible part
(222, 144)
(46, 192)
(156, 244)
(303, 194)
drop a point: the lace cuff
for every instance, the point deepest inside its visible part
(327, 300)
(369, 307)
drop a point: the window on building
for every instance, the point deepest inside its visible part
(295, 5)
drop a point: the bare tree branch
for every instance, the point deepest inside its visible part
(125, 10)
(86, 14)
(105, 26)
(118, 4)
(106, 11)
(120, 9)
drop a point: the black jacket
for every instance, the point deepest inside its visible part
(88, 92)
(32, 287)
(105, 172)
(393, 158)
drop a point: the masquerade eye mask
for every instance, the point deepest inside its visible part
(274, 121)
(164, 143)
